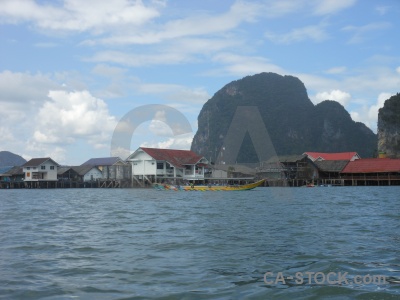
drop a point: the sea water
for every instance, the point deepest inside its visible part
(267, 243)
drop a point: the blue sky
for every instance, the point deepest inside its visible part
(71, 69)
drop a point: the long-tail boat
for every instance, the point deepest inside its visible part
(203, 188)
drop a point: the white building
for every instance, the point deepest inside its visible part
(113, 168)
(166, 163)
(88, 173)
(40, 169)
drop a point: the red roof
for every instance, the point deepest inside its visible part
(373, 165)
(177, 158)
(331, 156)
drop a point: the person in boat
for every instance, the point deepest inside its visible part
(192, 185)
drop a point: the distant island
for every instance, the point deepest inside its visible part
(10, 159)
(294, 123)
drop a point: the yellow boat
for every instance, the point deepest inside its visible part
(203, 188)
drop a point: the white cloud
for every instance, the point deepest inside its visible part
(314, 33)
(35, 149)
(336, 95)
(360, 83)
(382, 10)
(178, 51)
(6, 136)
(368, 114)
(398, 70)
(138, 59)
(76, 15)
(336, 70)
(324, 7)
(16, 87)
(360, 33)
(189, 96)
(109, 71)
(68, 116)
(374, 109)
(275, 9)
(174, 92)
(158, 125)
(180, 142)
(195, 25)
(355, 116)
(240, 65)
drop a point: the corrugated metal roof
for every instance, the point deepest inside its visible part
(103, 161)
(62, 170)
(331, 165)
(34, 162)
(82, 170)
(16, 171)
(236, 169)
(177, 158)
(373, 165)
(331, 156)
(286, 158)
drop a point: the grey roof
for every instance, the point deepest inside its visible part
(11, 171)
(63, 170)
(331, 165)
(271, 167)
(16, 171)
(82, 170)
(103, 161)
(286, 158)
(34, 162)
(236, 169)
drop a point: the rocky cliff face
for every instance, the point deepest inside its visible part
(335, 131)
(389, 127)
(293, 123)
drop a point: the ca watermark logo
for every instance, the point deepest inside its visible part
(320, 278)
(246, 119)
(123, 132)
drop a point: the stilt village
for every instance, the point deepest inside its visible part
(147, 166)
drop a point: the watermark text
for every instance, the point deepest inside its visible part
(332, 278)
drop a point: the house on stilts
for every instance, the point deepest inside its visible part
(40, 172)
(150, 165)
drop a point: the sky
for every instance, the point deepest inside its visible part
(70, 70)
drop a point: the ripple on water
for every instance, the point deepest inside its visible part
(124, 243)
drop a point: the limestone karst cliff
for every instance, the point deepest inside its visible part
(294, 124)
(389, 127)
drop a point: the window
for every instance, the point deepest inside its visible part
(28, 168)
(51, 167)
(43, 167)
(160, 166)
